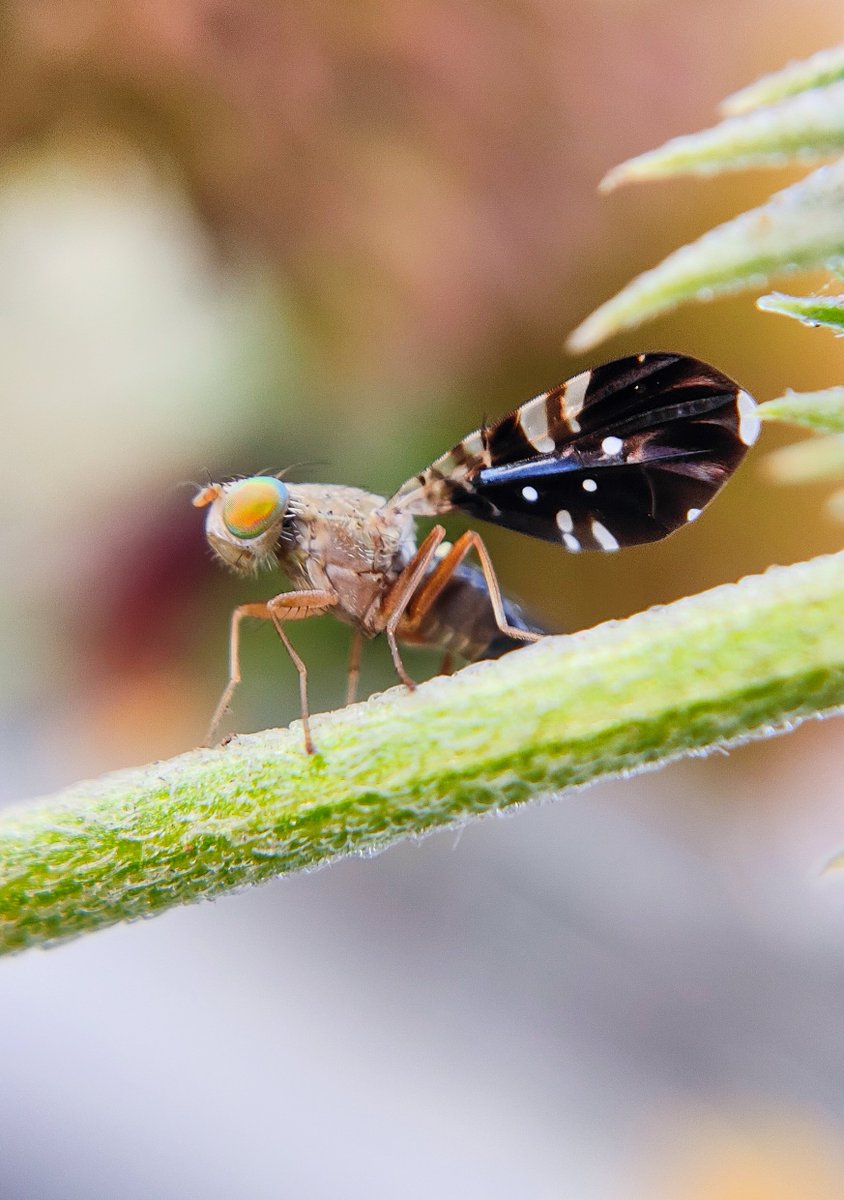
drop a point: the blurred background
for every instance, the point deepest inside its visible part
(237, 235)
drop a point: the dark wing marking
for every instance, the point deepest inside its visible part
(623, 454)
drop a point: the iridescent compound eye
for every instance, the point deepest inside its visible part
(253, 505)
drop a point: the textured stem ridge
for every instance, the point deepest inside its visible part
(742, 661)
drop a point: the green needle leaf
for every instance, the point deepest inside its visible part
(819, 71)
(742, 661)
(807, 126)
(822, 411)
(811, 310)
(799, 228)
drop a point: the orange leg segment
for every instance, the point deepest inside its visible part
(413, 595)
(423, 599)
(354, 666)
(401, 594)
(289, 606)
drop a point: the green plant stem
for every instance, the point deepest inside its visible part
(741, 661)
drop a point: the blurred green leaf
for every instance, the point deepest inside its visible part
(834, 865)
(811, 310)
(822, 411)
(816, 460)
(819, 71)
(813, 461)
(807, 126)
(835, 505)
(799, 228)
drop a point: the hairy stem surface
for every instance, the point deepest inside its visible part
(741, 661)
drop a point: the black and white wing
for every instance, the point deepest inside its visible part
(623, 454)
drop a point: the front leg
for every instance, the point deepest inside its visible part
(288, 606)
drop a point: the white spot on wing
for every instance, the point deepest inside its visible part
(693, 514)
(564, 520)
(530, 494)
(589, 485)
(612, 445)
(571, 543)
(603, 537)
(749, 423)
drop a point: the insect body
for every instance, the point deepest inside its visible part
(617, 456)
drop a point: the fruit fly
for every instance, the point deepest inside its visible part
(620, 455)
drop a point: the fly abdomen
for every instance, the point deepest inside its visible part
(461, 620)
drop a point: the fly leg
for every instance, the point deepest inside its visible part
(297, 606)
(401, 594)
(421, 602)
(354, 666)
(289, 606)
(244, 610)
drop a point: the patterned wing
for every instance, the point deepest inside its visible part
(620, 455)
